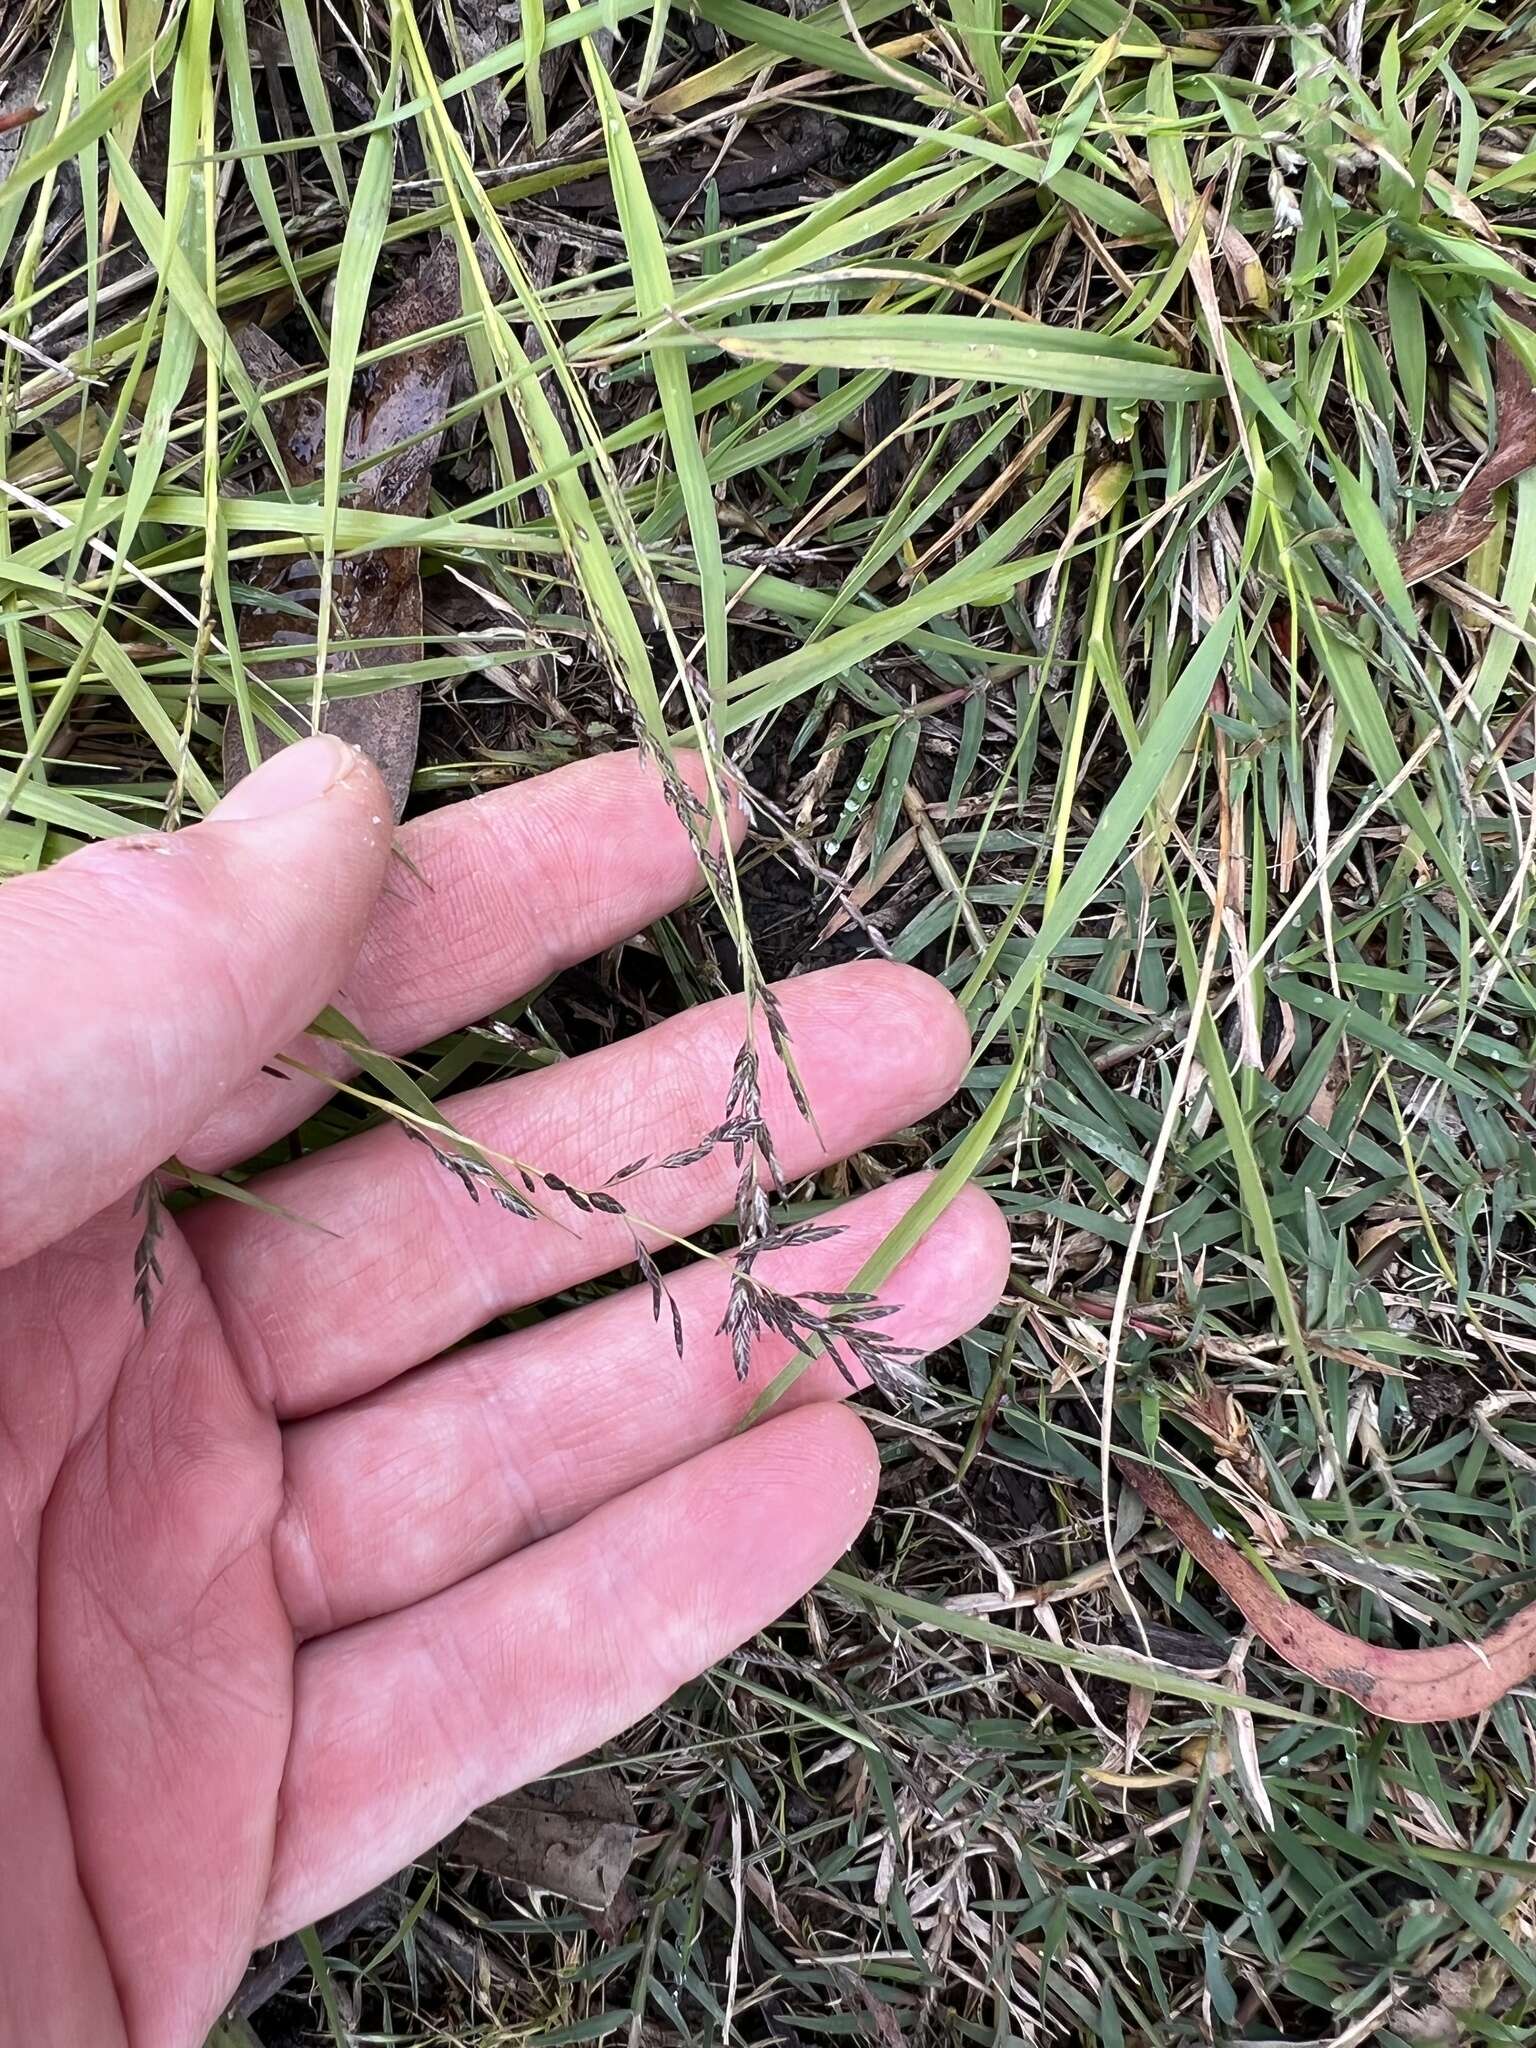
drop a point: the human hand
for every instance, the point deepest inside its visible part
(282, 1598)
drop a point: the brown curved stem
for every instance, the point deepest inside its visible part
(1445, 1683)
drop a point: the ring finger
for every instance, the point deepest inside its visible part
(415, 1487)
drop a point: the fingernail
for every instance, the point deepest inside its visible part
(296, 775)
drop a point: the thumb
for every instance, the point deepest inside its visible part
(149, 978)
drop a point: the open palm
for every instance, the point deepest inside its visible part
(287, 1583)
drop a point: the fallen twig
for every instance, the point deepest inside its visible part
(1446, 1683)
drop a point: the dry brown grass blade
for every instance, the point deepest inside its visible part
(1449, 536)
(393, 437)
(1449, 1682)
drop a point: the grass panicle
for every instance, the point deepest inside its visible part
(1067, 473)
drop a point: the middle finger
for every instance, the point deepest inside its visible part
(407, 1264)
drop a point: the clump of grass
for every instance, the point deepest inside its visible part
(999, 439)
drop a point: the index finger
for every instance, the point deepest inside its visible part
(491, 898)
